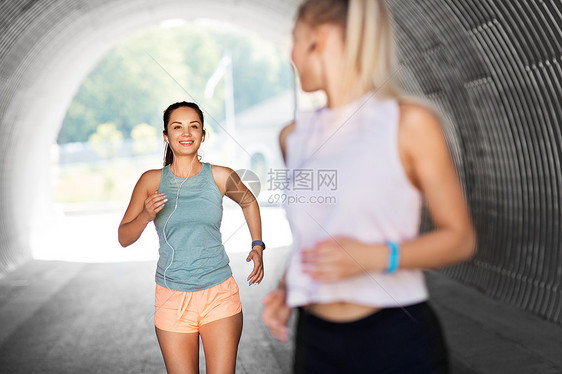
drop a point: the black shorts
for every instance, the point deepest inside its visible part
(392, 340)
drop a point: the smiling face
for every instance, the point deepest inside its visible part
(185, 131)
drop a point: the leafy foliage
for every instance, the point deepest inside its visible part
(107, 140)
(139, 78)
(145, 137)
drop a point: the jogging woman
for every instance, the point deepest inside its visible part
(196, 295)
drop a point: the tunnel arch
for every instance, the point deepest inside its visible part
(47, 49)
(492, 66)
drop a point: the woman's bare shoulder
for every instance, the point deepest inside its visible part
(414, 113)
(420, 124)
(283, 134)
(221, 175)
(285, 131)
(221, 171)
(150, 179)
(152, 174)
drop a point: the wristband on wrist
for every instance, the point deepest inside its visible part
(258, 242)
(393, 257)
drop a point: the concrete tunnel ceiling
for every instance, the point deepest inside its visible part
(491, 66)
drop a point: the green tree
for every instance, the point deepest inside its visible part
(107, 140)
(144, 137)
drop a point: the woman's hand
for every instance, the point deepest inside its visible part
(340, 257)
(256, 276)
(153, 204)
(141, 209)
(276, 314)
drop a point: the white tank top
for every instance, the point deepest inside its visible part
(346, 179)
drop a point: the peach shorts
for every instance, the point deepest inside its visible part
(186, 312)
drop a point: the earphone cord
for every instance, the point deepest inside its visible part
(173, 211)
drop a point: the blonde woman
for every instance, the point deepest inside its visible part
(355, 272)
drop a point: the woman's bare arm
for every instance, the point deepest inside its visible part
(433, 172)
(145, 203)
(230, 185)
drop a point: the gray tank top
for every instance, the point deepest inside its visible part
(192, 256)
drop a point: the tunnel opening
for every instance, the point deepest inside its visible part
(65, 60)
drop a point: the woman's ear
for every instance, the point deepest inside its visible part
(320, 39)
(325, 34)
(203, 139)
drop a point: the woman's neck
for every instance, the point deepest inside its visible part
(337, 98)
(338, 94)
(185, 167)
(333, 63)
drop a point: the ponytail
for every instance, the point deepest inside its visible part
(370, 52)
(168, 155)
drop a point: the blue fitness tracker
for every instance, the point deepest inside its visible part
(394, 257)
(258, 242)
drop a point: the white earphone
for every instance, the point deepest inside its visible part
(179, 186)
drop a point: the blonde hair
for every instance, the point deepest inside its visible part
(371, 59)
(370, 53)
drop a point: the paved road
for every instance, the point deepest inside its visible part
(66, 317)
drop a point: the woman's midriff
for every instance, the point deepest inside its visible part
(341, 311)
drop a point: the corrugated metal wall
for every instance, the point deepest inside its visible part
(494, 68)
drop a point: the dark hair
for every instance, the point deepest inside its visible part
(168, 154)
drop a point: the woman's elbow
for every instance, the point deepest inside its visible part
(250, 203)
(120, 237)
(468, 244)
(123, 243)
